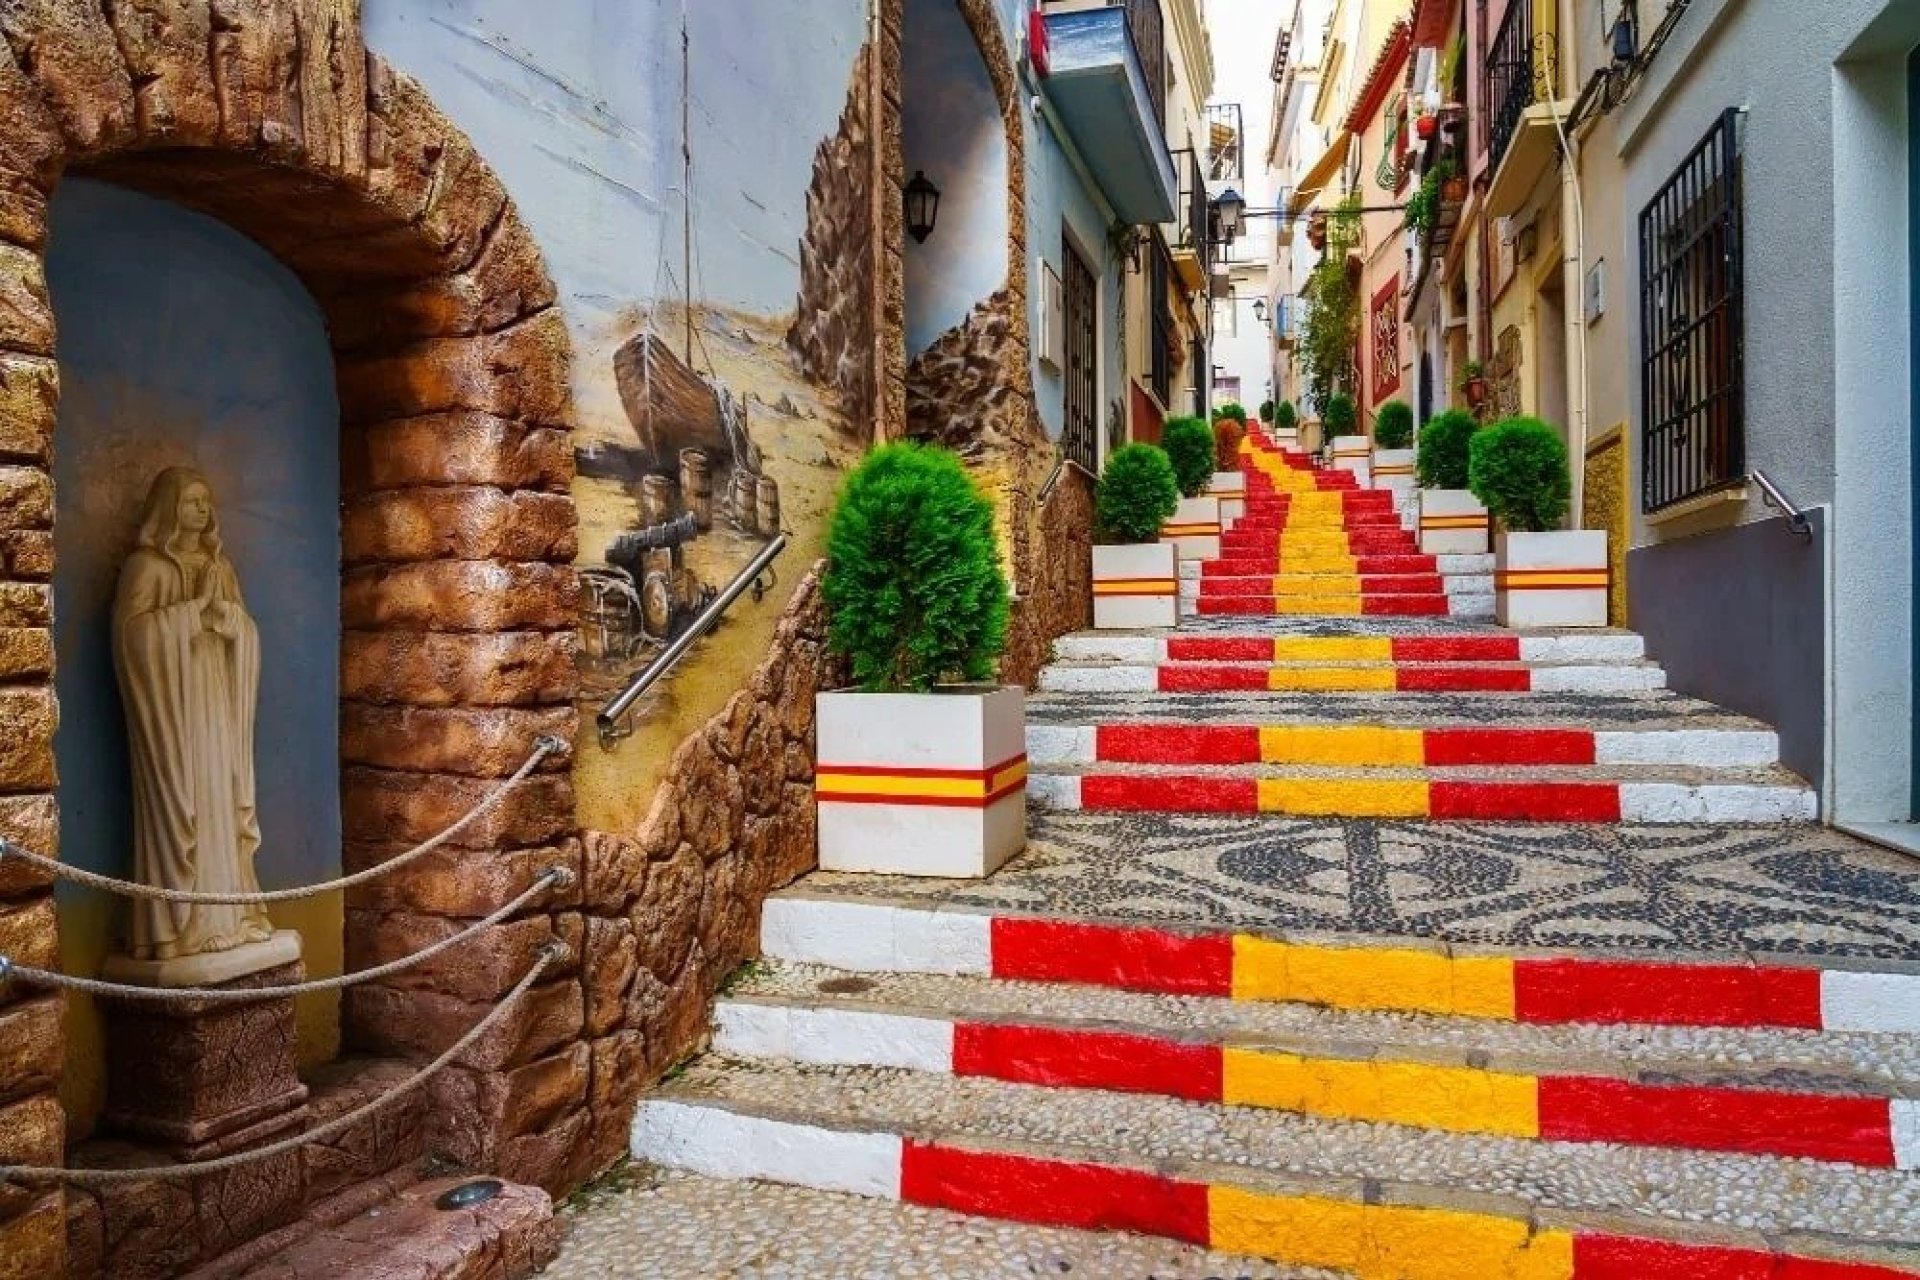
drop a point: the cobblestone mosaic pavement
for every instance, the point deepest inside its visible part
(648, 1224)
(1520, 710)
(1211, 1143)
(1792, 890)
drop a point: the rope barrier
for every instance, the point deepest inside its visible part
(552, 878)
(544, 746)
(550, 953)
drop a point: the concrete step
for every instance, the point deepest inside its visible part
(1422, 1072)
(1610, 793)
(1325, 584)
(1337, 562)
(1377, 744)
(1332, 606)
(1809, 997)
(1353, 1198)
(1390, 676)
(1489, 644)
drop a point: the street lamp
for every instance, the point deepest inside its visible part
(1229, 207)
(923, 207)
(1260, 310)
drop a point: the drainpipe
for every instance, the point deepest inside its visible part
(1573, 237)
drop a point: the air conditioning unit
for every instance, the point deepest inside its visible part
(1052, 338)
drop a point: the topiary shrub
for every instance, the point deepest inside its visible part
(1136, 494)
(1393, 425)
(1518, 469)
(1340, 416)
(1190, 448)
(1231, 409)
(1285, 418)
(913, 588)
(1266, 411)
(1227, 435)
(1442, 460)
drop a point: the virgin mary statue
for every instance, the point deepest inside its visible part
(188, 660)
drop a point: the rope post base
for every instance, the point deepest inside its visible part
(193, 1078)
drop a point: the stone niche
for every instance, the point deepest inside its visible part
(456, 614)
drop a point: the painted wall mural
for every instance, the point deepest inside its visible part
(707, 212)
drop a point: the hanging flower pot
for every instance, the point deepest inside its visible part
(1426, 126)
(1476, 389)
(1317, 230)
(1454, 189)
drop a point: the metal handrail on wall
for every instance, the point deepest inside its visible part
(1776, 498)
(613, 716)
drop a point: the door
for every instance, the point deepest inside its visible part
(1081, 307)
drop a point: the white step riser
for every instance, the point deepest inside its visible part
(1089, 647)
(1067, 746)
(1123, 678)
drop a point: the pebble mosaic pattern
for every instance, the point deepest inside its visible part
(667, 1225)
(1773, 1196)
(1783, 890)
(1760, 1057)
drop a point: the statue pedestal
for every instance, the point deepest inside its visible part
(196, 1078)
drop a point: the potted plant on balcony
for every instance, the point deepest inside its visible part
(1473, 383)
(1544, 576)
(1393, 451)
(1136, 577)
(1340, 423)
(921, 766)
(1194, 527)
(1453, 181)
(1452, 520)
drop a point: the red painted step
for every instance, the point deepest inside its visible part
(1372, 565)
(1488, 648)
(1202, 677)
(1402, 584)
(1422, 606)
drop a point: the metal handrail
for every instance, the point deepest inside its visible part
(1052, 482)
(613, 715)
(1772, 495)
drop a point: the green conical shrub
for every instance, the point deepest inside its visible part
(1442, 460)
(1393, 425)
(1190, 448)
(1136, 494)
(913, 589)
(1340, 417)
(1518, 469)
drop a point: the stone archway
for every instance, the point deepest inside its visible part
(458, 600)
(1045, 545)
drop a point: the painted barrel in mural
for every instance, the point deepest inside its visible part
(743, 500)
(1453, 523)
(696, 486)
(921, 784)
(1136, 585)
(1229, 488)
(1355, 454)
(1551, 579)
(767, 506)
(1194, 528)
(656, 499)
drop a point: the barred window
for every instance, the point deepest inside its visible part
(1692, 326)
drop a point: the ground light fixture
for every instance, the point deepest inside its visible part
(923, 207)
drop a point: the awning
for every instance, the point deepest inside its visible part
(1316, 179)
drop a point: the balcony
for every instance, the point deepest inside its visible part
(1108, 84)
(1522, 75)
(1193, 237)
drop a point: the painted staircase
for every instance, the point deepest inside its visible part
(1626, 1014)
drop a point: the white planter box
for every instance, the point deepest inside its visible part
(1288, 439)
(1551, 579)
(1230, 489)
(922, 784)
(1194, 529)
(1393, 469)
(1136, 586)
(1355, 454)
(1453, 523)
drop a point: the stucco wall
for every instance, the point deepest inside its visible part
(182, 343)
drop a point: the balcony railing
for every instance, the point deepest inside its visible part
(1195, 229)
(1148, 28)
(1510, 77)
(1226, 145)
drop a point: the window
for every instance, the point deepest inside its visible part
(1226, 389)
(1226, 314)
(1692, 326)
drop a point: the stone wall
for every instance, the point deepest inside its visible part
(834, 317)
(459, 601)
(675, 907)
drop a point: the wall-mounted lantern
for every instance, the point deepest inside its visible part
(1626, 34)
(1260, 310)
(923, 207)
(1229, 206)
